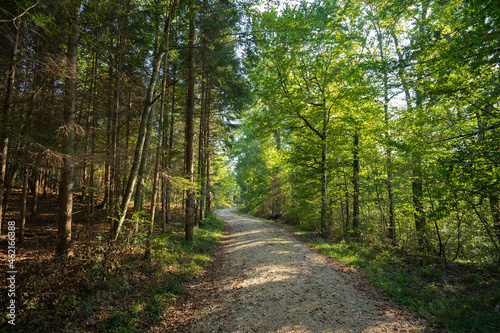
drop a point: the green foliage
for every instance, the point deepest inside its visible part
(223, 182)
(418, 84)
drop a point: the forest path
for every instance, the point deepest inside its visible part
(268, 281)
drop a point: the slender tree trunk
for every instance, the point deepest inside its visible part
(7, 107)
(154, 195)
(391, 230)
(324, 169)
(142, 174)
(35, 191)
(355, 183)
(417, 174)
(93, 134)
(347, 214)
(276, 183)
(189, 136)
(495, 213)
(24, 195)
(109, 167)
(208, 203)
(146, 114)
(161, 132)
(66, 187)
(11, 173)
(114, 176)
(168, 187)
(93, 151)
(201, 152)
(127, 137)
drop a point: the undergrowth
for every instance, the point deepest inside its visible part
(455, 297)
(113, 288)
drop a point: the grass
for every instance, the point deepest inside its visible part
(115, 289)
(457, 297)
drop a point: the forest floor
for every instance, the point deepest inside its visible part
(106, 287)
(266, 280)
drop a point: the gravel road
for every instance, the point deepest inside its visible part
(268, 281)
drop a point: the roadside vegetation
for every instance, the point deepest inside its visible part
(113, 288)
(454, 297)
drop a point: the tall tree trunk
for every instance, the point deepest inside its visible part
(208, 201)
(7, 107)
(201, 151)
(189, 136)
(114, 184)
(276, 181)
(141, 176)
(92, 134)
(35, 191)
(391, 230)
(417, 184)
(108, 174)
(347, 213)
(417, 173)
(168, 187)
(355, 184)
(146, 114)
(66, 187)
(154, 194)
(161, 133)
(324, 169)
(24, 195)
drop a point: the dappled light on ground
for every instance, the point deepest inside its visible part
(271, 282)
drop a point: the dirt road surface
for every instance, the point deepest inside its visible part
(268, 281)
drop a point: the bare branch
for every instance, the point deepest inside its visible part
(21, 15)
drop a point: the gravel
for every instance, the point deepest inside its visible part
(269, 281)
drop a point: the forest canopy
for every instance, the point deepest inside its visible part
(377, 120)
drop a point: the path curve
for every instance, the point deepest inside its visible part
(271, 282)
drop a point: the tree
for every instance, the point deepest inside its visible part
(13, 41)
(189, 131)
(66, 187)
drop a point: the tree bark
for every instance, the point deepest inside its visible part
(35, 190)
(189, 129)
(146, 114)
(7, 106)
(417, 184)
(355, 183)
(391, 230)
(24, 195)
(417, 181)
(161, 133)
(66, 187)
(324, 169)
(168, 187)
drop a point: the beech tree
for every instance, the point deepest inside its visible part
(411, 103)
